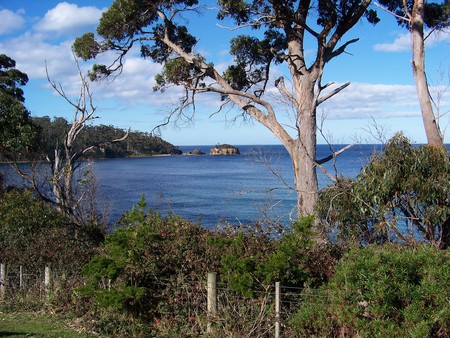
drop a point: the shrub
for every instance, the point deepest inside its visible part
(382, 291)
(34, 235)
(151, 272)
(143, 263)
(253, 261)
(401, 195)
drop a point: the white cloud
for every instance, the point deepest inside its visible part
(363, 100)
(66, 17)
(402, 42)
(10, 21)
(31, 54)
(438, 37)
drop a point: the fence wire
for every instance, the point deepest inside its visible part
(186, 302)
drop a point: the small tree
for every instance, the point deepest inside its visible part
(72, 189)
(401, 195)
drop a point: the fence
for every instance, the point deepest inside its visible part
(209, 307)
(12, 282)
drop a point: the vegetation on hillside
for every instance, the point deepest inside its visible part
(52, 133)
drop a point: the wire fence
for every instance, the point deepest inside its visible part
(261, 315)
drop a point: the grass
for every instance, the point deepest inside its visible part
(28, 324)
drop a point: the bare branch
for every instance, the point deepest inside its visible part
(340, 50)
(327, 173)
(279, 83)
(404, 18)
(332, 93)
(333, 155)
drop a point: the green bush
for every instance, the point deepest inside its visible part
(382, 291)
(254, 261)
(142, 264)
(403, 194)
(151, 272)
(35, 235)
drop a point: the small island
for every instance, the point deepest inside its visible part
(195, 152)
(224, 149)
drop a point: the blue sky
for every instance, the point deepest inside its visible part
(382, 92)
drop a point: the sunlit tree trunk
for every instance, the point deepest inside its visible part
(434, 136)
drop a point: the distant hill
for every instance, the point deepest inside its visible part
(137, 144)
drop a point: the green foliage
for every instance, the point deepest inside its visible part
(139, 16)
(252, 261)
(436, 15)
(141, 259)
(178, 72)
(136, 144)
(16, 130)
(11, 78)
(402, 194)
(155, 27)
(86, 46)
(149, 263)
(34, 235)
(253, 58)
(382, 291)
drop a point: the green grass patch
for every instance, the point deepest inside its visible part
(25, 324)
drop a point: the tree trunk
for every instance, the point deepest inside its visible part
(302, 149)
(305, 174)
(418, 66)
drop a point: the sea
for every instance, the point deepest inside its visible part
(256, 185)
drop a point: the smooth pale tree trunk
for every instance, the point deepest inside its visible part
(305, 181)
(418, 66)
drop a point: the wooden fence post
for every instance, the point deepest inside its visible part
(47, 281)
(2, 279)
(277, 310)
(212, 300)
(21, 277)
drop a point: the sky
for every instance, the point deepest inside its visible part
(381, 98)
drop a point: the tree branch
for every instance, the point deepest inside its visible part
(333, 155)
(331, 94)
(404, 18)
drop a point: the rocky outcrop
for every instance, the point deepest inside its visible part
(224, 149)
(196, 152)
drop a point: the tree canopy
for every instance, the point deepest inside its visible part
(16, 130)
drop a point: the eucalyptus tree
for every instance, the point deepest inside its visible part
(416, 15)
(16, 129)
(401, 195)
(282, 29)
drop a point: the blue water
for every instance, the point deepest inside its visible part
(216, 189)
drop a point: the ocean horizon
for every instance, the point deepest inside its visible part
(233, 189)
(214, 190)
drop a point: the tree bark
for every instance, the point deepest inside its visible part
(418, 66)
